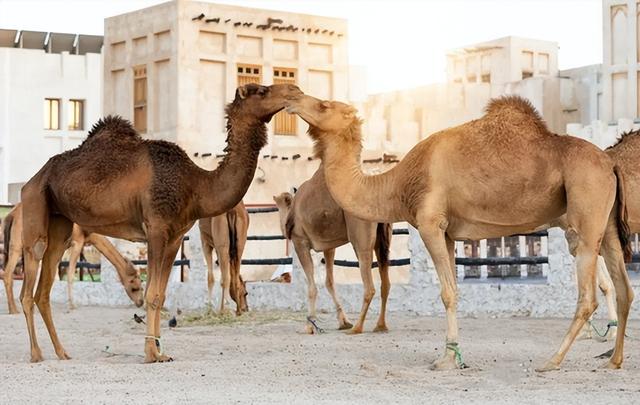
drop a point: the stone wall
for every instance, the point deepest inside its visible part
(555, 297)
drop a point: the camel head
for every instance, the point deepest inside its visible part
(283, 202)
(133, 284)
(238, 293)
(263, 102)
(326, 117)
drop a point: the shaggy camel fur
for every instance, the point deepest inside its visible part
(128, 274)
(227, 234)
(502, 174)
(313, 220)
(140, 190)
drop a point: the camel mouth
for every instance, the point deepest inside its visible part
(267, 118)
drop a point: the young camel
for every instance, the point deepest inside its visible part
(313, 220)
(502, 174)
(140, 190)
(227, 234)
(128, 274)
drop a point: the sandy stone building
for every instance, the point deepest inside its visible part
(171, 68)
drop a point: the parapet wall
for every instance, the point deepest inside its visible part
(553, 297)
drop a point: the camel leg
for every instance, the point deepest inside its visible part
(435, 240)
(207, 251)
(34, 241)
(154, 295)
(76, 251)
(329, 256)
(606, 286)
(385, 287)
(312, 291)
(364, 258)
(59, 232)
(225, 274)
(585, 246)
(12, 260)
(612, 253)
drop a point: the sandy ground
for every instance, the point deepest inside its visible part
(265, 360)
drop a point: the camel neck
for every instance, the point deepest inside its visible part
(370, 197)
(222, 189)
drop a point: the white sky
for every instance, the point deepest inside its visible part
(402, 43)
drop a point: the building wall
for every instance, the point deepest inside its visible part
(620, 67)
(27, 77)
(196, 73)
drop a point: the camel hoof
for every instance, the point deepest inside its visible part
(611, 366)
(158, 358)
(445, 363)
(354, 331)
(346, 325)
(549, 366)
(36, 357)
(381, 329)
(63, 356)
(308, 329)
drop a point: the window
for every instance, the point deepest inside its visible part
(76, 115)
(249, 74)
(486, 78)
(140, 98)
(285, 123)
(526, 75)
(52, 113)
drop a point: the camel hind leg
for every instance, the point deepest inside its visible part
(14, 254)
(35, 224)
(302, 250)
(329, 257)
(59, 232)
(612, 253)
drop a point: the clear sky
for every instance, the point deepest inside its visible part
(402, 43)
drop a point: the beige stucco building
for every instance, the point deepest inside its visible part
(172, 68)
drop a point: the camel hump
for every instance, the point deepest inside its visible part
(113, 124)
(510, 104)
(626, 138)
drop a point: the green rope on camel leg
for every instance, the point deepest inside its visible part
(610, 325)
(158, 342)
(455, 348)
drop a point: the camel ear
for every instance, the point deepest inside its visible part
(287, 199)
(242, 92)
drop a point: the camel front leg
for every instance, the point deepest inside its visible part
(364, 259)
(59, 231)
(207, 252)
(225, 274)
(160, 261)
(329, 256)
(12, 260)
(76, 251)
(304, 255)
(440, 248)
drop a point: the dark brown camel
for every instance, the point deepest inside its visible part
(120, 185)
(227, 234)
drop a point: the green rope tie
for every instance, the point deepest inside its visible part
(454, 347)
(158, 342)
(610, 325)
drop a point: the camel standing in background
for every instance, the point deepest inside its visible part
(227, 234)
(313, 220)
(140, 190)
(502, 174)
(128, 274)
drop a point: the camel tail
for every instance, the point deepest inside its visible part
(624, 233)
(383, 244)
(8, 223)
(232, 217)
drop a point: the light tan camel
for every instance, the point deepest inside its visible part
(227, 234)
(313, 220)
(120, 185)
(128, 274)
(502, 174)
